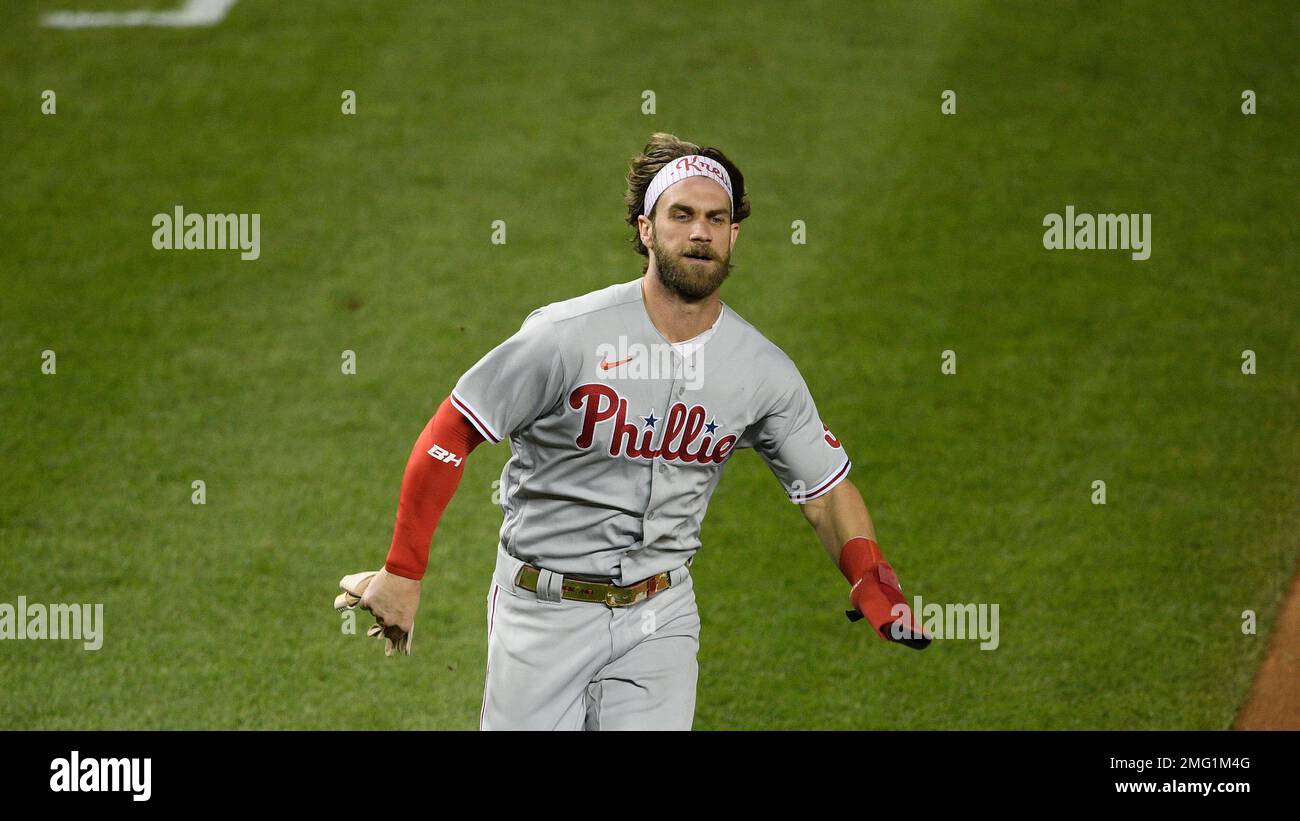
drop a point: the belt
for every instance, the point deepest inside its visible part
(589, 591)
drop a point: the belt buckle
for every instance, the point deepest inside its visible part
(625, 596)
(622, 596)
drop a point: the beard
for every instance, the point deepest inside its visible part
(690, 279)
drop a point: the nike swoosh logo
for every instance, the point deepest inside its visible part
(606, 364)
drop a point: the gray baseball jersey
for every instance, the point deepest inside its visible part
(618, 440)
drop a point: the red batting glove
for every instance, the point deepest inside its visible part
(878, 596)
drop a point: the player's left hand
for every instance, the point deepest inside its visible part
(879, 598)
(391, 599)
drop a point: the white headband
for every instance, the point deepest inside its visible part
(692, 165)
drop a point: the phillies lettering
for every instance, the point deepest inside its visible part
(680, 441)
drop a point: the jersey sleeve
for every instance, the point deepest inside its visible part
(801, 451)
(515, 383)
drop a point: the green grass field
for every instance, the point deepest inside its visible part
(924, 235)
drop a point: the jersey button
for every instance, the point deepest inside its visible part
(681, 391)
(650, 515)
(663, 468)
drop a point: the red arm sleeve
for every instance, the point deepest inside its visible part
(432, 473)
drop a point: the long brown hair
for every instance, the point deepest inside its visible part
(662, 149)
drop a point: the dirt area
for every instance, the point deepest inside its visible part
(1274, 701)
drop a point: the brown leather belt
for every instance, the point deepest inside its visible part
(576, 589)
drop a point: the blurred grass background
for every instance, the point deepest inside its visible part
(924, 234)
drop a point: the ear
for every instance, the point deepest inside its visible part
(735, 232)
(645, 229)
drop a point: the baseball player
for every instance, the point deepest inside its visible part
(622, 406)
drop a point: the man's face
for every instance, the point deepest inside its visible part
(692, 237)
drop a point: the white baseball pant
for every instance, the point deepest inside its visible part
(555, 664)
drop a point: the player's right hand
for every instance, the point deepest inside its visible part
(391, 599)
